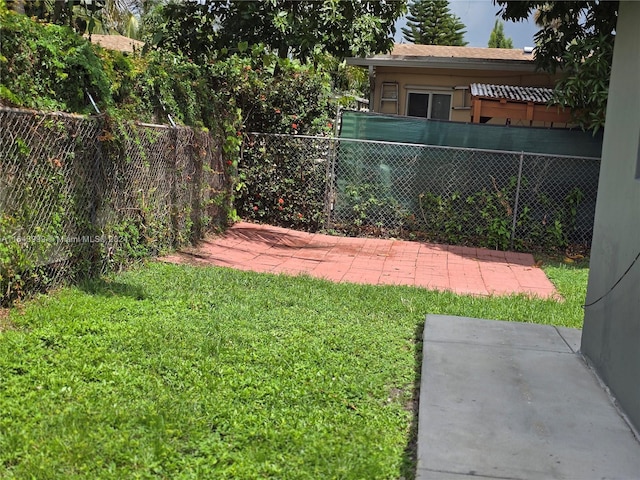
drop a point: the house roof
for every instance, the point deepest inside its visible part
(512, 93)
(437, 56)
(440, 51)
(117, 42)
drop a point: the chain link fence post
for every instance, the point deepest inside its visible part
(95, 185)
(330, 179)
(515, 205)
(173, 193)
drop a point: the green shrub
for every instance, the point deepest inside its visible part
(285, 186)
(48, 67)
(485, 219)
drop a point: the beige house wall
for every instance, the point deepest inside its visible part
(446, 81)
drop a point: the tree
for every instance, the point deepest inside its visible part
(430, 22)
(295, 28)
(575, 38)
(94, 16)
(47, 66)
(121, 16)
(497, 38)
(65, 12)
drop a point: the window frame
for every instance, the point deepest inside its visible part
(431, 92)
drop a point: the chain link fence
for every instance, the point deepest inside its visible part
(495, 199)
(487, 198)
(82, 196)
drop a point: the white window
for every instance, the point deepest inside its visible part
(429, 105)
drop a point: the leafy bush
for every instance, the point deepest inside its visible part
(372, 206)
(485, 219)
(282, 183)
(48, 67)
(285, 186)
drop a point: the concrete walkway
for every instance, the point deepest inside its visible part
(464, 270)
(506, 400)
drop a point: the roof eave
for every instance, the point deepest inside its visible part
(441, 62)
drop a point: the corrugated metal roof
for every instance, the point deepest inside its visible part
(513, 93)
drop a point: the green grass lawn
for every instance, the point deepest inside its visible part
(183, 372)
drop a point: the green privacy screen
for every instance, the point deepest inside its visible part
(393, 128)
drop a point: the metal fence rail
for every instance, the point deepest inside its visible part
(495, 199)
(79, 195)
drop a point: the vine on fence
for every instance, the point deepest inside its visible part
(51, 67)
(80, 196)
(37, 202)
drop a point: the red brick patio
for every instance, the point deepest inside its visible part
(465, 270)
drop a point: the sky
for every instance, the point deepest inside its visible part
(479, 17)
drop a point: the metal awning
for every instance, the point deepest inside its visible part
(515, 103)
(512, 93)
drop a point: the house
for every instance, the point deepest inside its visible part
(434, 82)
